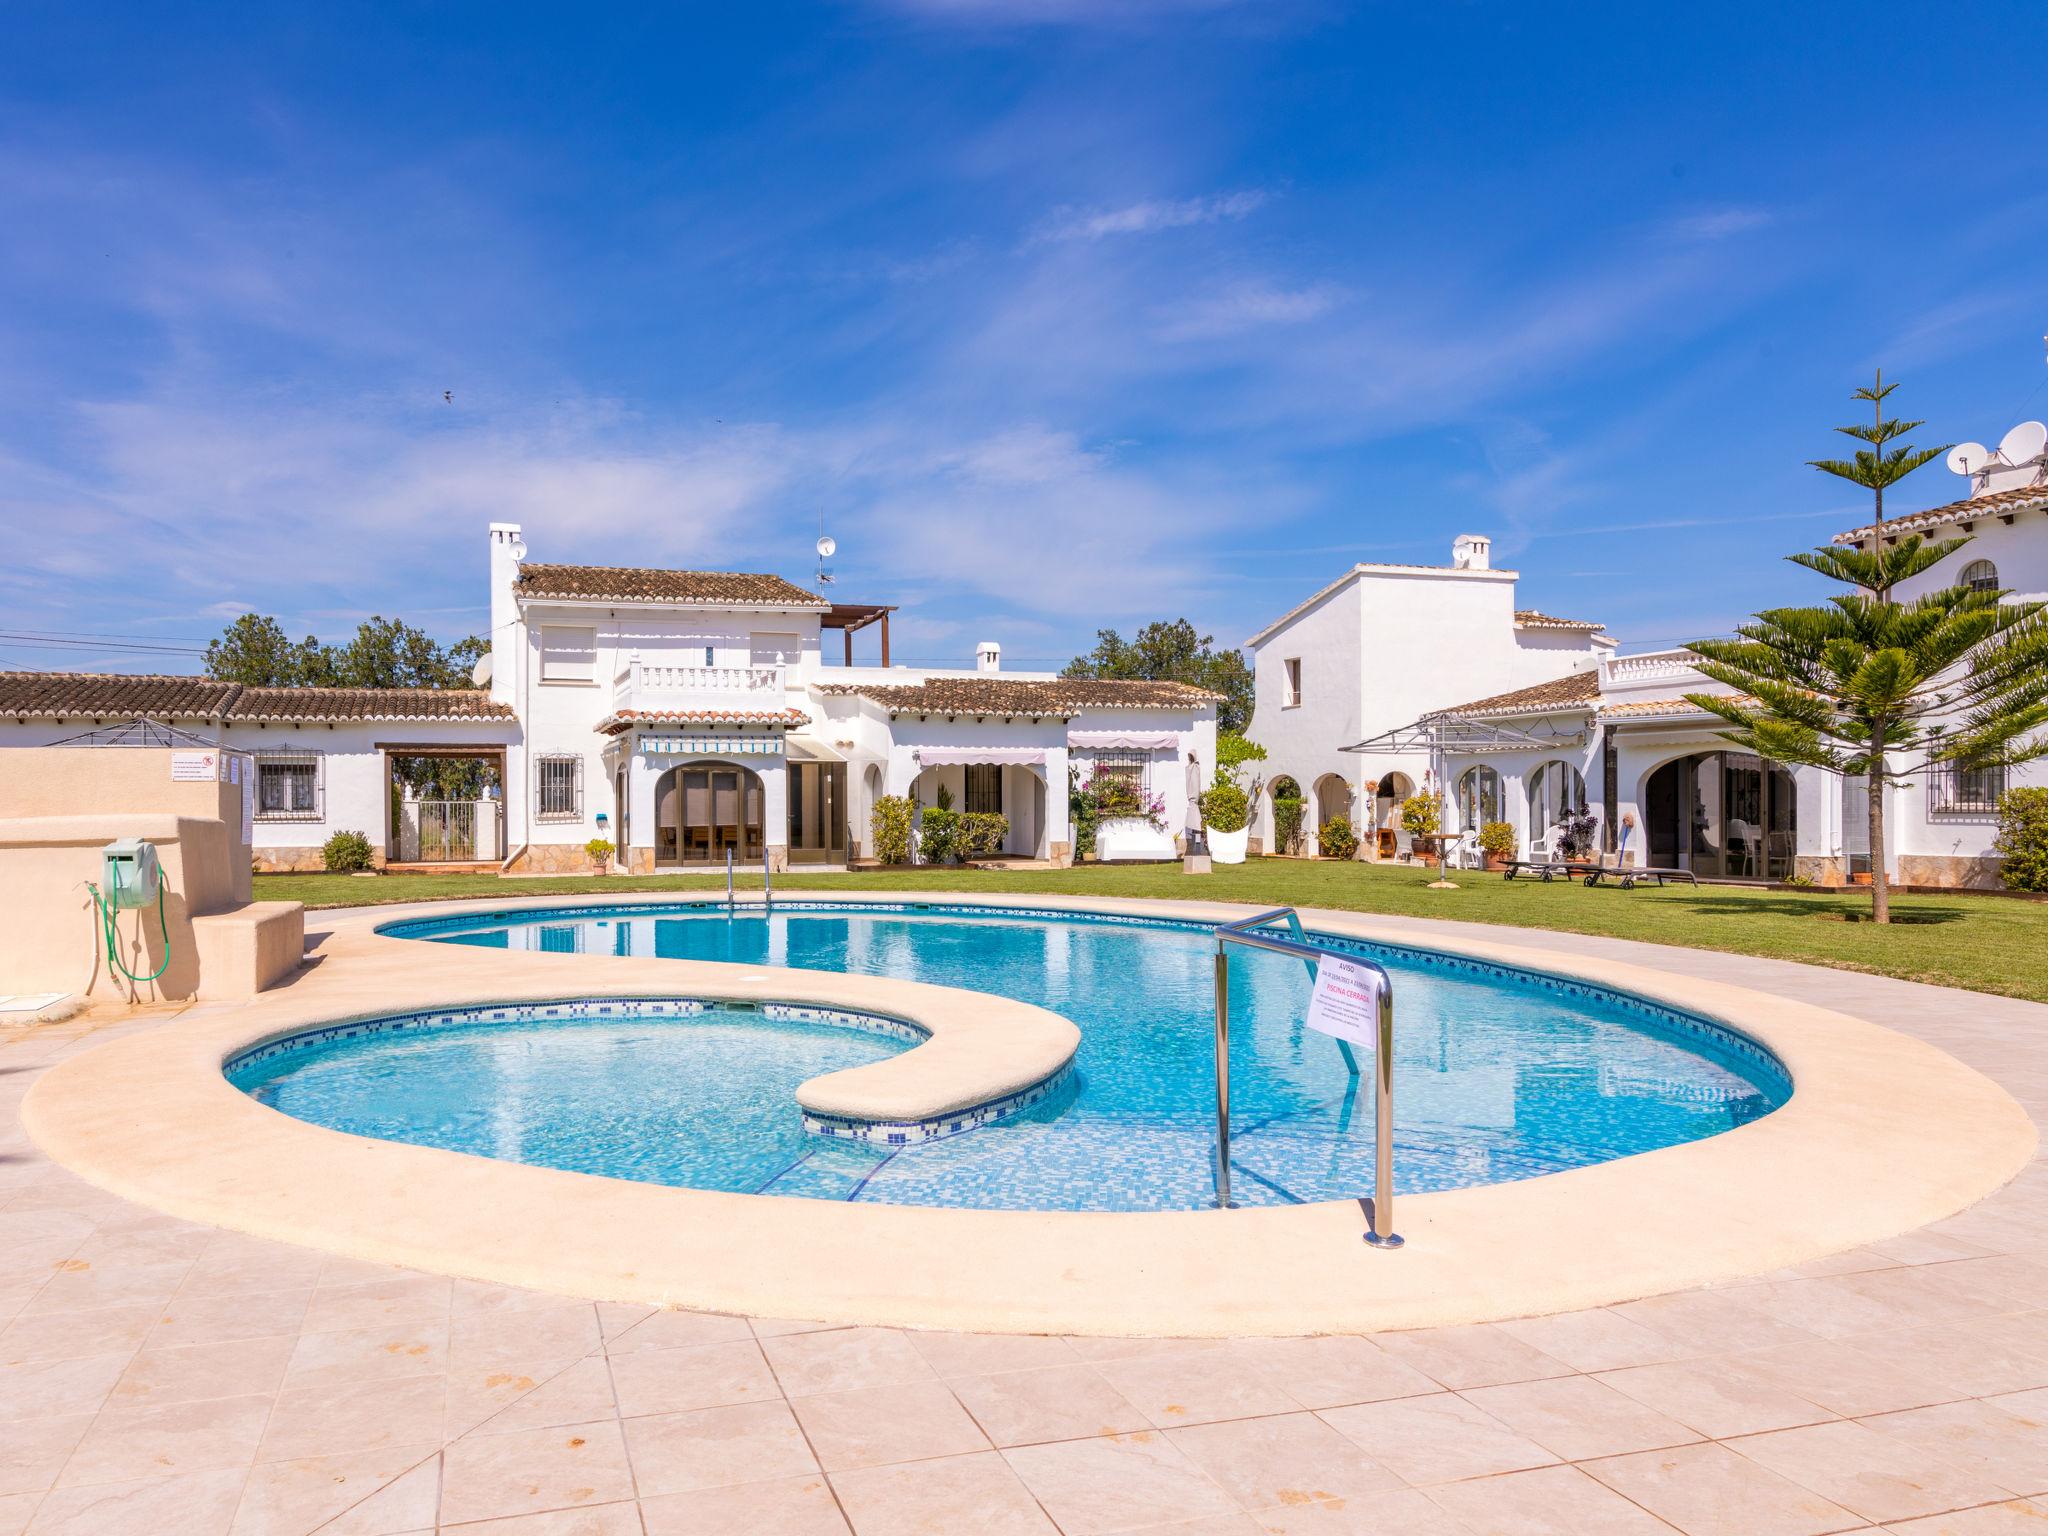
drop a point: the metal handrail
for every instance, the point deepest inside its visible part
(1380, 1209)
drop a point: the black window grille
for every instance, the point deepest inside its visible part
(558, 788)
(1953, 790)
(288, 787)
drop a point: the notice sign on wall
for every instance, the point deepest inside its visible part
(194, 767)
(1346, 1002)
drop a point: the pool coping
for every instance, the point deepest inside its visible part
(1883, 1134)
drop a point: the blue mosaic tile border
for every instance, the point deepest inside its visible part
(457, 1018)
(903, 1133)
(1660, 1017)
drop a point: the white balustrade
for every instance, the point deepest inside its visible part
(641, 683)
(1648, 667)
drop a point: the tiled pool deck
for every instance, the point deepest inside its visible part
(162, 1377)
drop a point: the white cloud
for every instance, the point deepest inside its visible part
(1718, 223)
(1246, 306)
(1149, 216)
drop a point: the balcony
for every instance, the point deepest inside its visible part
(1673, 666)
(648, 686)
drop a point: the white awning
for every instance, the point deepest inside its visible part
(717, 746)
(1134, 741)
(806, 749)
(932, 756)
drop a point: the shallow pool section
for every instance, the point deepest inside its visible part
(1499, 1074)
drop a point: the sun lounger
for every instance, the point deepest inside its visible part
(1548, 869)
(1629, 878)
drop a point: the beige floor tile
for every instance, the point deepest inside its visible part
(790, 1506)
(1549, 1501)
(295, 1498)
(844, 1360)
(157, 1440)
(879, 1425)
(413, 1302)
(76, 1385)
(1062, 1402)
(1096, 1350)
(33, 1451)
(1980, 1358)
(574, 1396)
(1579, 1418)
(775, 1327)
(675, 1330)
(1871, 1474)
(1717, 1397)
(249, 1264)
(16, 1510)
(496, 1341)
(190, 1504)
(367, 1354)
(1602, 1339)
(126, 1284)
(335, 1421)
(162, 1241)
(1116, 1483)
(1830, 1307)
(1852, 1377)
(1708, 1490)
(238, 1368)
(2016, 1517)
(1399, 1512)
(595, 1520)
(488, 1477)
(703, 1376)
(393, 1510)
(1711, 1323)
(209, 1319)
(468, 1297)
(68, 1335)
(1283, 1460)
(1438, 1439)
(1331, 1371)
(949, 1497)
(1194, 1387)
(2005, 1440)
(714, 1447)
(983, 1354)
(1486, 1355)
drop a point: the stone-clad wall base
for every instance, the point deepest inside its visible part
(1821, 871)
(299, 861)
(1949, 871)
(553, 859)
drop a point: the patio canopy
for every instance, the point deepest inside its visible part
(1463, 735)
(931, 757)
(1135, 741)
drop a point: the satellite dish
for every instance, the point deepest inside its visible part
(2023, 444)
(1966, 458)
(827, 546)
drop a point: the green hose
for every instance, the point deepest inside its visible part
(106, 912)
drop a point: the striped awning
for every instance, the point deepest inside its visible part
(721, 746)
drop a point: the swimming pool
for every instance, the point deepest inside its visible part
(1500, 1074)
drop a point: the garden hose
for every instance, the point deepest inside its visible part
(107, 914)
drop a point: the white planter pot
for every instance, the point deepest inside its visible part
(1129, 837)
(1228, 847)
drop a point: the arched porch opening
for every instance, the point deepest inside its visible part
(702, 810)
(1333, 799)
(1288, 809)
(1014, 791)
(1557, 793)
(1726, 815)
(1479, 797)
(1386, 836)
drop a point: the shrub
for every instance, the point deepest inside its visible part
(939, 841)
(982, 834)
(1232, 753)
(1335, 839)
(1498, 838)
(2023, 839)
(889, 829)
(345, 853)
(1422, 814)
(1225, 807)
(1575, 830)
(600, 851)
(1287, 823)
(1117, 797)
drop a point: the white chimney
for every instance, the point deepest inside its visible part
(988, 657)
(508, 548)
(1472, 552)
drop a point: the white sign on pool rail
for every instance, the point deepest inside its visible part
(1346, 1002)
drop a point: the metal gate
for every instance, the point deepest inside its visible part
(447, 831)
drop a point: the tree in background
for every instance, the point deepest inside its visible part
(1879, 467)
(383, 653)
(1173, 652)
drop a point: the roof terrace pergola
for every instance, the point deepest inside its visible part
(848, 617)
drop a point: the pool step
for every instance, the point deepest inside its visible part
(833, 1170)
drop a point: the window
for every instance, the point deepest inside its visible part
(288, 786)
(1958, 791)
(568, 654)
(1293, 682)
(985, 788)
(558, 788)
(1980, 576)
(1122, 763)
(1556, 790)
(1478, 798)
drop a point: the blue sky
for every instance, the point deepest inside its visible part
(1061, 313)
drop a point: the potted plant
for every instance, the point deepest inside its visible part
(600, 851)
(1226, 811)
(1498, 842)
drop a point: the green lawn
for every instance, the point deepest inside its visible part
(1985, 943)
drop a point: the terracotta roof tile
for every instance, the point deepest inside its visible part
(641, 584)
(1652, 707)
(1529, 618)
(1019, 696)
(2023, 498)
(93, 695)
(1574, 691)
(288, 704)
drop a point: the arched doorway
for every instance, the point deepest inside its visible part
(703, 809)
(1728, 815)
(1288, 808)
(1392, 791)
(1479, 798)
(1333, 799)
(1557, 792)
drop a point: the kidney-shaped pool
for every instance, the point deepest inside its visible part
(1500, 1074)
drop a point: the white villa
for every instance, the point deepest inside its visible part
(1347, 696)
(681, 715)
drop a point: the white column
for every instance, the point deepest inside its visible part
(1058, 824)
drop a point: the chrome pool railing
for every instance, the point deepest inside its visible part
(1246, 931)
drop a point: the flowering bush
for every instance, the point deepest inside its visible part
(1335, 839)
(1118, 797)
(982, 834)
(889, 829)
(599, 850)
